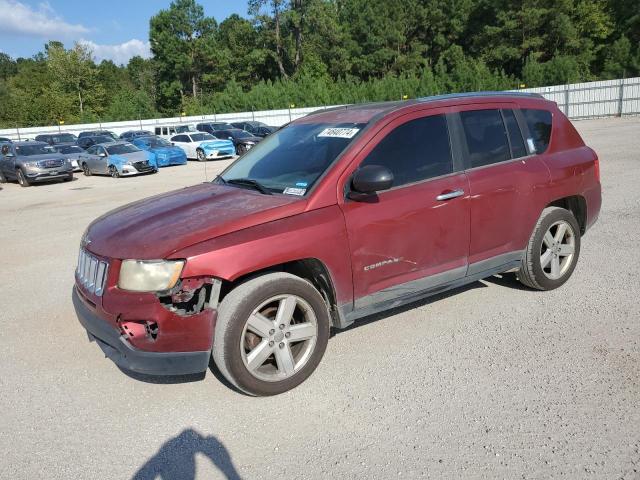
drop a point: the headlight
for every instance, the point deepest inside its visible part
(149, 276)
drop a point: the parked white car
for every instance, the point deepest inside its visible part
(204, 146)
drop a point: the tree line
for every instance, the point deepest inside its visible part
(322, 52)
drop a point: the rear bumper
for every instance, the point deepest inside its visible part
(123, 354)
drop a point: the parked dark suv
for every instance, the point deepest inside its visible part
(54, 139)
(337, 216)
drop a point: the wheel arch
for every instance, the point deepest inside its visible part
(577, 205)
(311, 269)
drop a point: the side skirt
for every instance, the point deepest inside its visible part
(348, 315)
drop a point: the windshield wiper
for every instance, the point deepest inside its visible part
(249, 182)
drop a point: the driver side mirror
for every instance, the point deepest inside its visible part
(102, 154)
(371, 179)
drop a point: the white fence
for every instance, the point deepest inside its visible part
(578, 101)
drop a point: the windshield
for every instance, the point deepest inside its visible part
(103, 139)
(199, 137)
(64, 138)
(240, 134)
(292, 159)
(185, 129)
(122, 148)
(221, 126)
(28, 150)
(71, 149)
(156, 142)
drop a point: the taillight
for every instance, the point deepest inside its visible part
(596, 164)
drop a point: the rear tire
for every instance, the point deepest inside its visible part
(240, 149)
(288, 342)
(553, 250)
(22, 178)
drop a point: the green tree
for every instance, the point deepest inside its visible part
(76, 73)
(181, 40)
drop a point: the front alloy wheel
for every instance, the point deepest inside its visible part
(271, 333)
(201, 155)
(86, 170)
(22, 178)
(278, 338)
(113, 171)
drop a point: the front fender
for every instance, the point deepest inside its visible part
(319, 234)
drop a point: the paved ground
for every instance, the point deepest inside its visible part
(491, 381)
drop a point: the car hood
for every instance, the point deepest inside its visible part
(140, 156)
(39, 158)
(158, 226)
(253, 139)
(213, 144)
(166, 150)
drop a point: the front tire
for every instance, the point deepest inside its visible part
(201, 156)
(86, 170)
(271, 334)
(3, 179)
(553, 250)
(113, 171)
(22, 179)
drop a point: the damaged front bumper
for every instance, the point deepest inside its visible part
(118, 338)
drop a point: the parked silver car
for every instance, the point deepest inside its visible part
(117, 159)
(32, 162)
(71, 153)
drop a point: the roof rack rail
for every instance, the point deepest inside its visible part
(480, 94)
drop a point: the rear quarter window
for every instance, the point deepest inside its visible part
(539, 123)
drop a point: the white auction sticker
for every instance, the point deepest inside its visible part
(295, 191)
(339, 132)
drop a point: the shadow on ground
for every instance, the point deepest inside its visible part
(176, 459)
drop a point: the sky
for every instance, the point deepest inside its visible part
(115, 29)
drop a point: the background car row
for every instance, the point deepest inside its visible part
(56, 156)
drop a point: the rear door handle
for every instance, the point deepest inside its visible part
(449, 195)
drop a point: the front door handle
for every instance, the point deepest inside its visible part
(449, 195)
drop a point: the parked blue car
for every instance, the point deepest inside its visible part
(166, 153)
(118, 159)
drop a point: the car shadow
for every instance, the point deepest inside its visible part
(163, 379)
(509, 280)
(410, 306)
(176, 459)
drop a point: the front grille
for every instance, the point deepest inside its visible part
(91, 272)
(51, 163)
(143, 166)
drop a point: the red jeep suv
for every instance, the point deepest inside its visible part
(341, 214)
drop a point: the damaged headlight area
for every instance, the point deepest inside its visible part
(191, 295)
(149, 276)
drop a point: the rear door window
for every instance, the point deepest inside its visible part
(486, 137)
(415, 151)
(515, 136)
(539, 123)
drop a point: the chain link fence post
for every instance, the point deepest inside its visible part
(566, 100)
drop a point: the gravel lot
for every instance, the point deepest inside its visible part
(489, 381)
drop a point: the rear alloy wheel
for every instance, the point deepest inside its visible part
(201, 156)
(271, 333)
(113, 171)
(22, 179)
(553, 250)
(86, 170)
